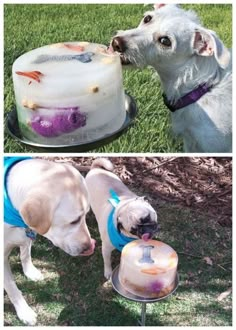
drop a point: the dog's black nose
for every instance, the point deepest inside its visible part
(118, 44)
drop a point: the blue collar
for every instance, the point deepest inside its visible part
(117, 239)
(11, 215)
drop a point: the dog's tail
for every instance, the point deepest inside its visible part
(104, 163)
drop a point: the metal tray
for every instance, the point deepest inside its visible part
(14, 131)
(123, 292)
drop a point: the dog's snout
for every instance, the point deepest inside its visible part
(118, 44)
(148, 227)
(88, 248)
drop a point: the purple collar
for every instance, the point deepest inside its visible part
(187, 99)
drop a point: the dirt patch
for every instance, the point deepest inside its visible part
(200, 183)
(203, 184)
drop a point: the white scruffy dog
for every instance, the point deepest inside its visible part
(195, 70)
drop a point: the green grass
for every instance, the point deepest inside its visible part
(73, 292)
(31, 26)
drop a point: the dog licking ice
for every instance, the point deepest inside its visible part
(47, 198)
(122, 216)
(195, 70)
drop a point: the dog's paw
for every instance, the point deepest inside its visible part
(33, 274)
(108, 273)
(107, 285)
(27, 315)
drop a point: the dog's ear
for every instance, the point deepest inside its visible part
(158, 5)
(37, 212)
(206, 43)
(143, 199)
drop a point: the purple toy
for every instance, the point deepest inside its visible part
(65, 121)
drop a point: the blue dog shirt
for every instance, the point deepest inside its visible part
(11, 215)
(117, 239)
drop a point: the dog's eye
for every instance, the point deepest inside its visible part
(76, 221)
(165, 41)
(147, 19)
(119, 227)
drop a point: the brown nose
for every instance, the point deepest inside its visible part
(118, 44)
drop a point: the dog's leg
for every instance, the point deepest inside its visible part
(106, 253)
(29, 269)
(24, 312)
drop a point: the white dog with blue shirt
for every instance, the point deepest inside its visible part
(122, 216)
(47, 198)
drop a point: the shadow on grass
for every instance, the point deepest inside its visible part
(73, 292)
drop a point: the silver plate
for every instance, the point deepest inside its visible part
(14, 131)
(123, 292)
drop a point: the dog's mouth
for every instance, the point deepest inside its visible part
(146, 231)
(146, 236)
(123, 58)
(90, 250)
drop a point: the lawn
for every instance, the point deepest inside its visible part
(73, 291)
(28, 26)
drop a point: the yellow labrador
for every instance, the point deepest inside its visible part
(50, 199)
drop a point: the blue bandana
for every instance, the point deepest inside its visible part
(11, 215)
(117, 239)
